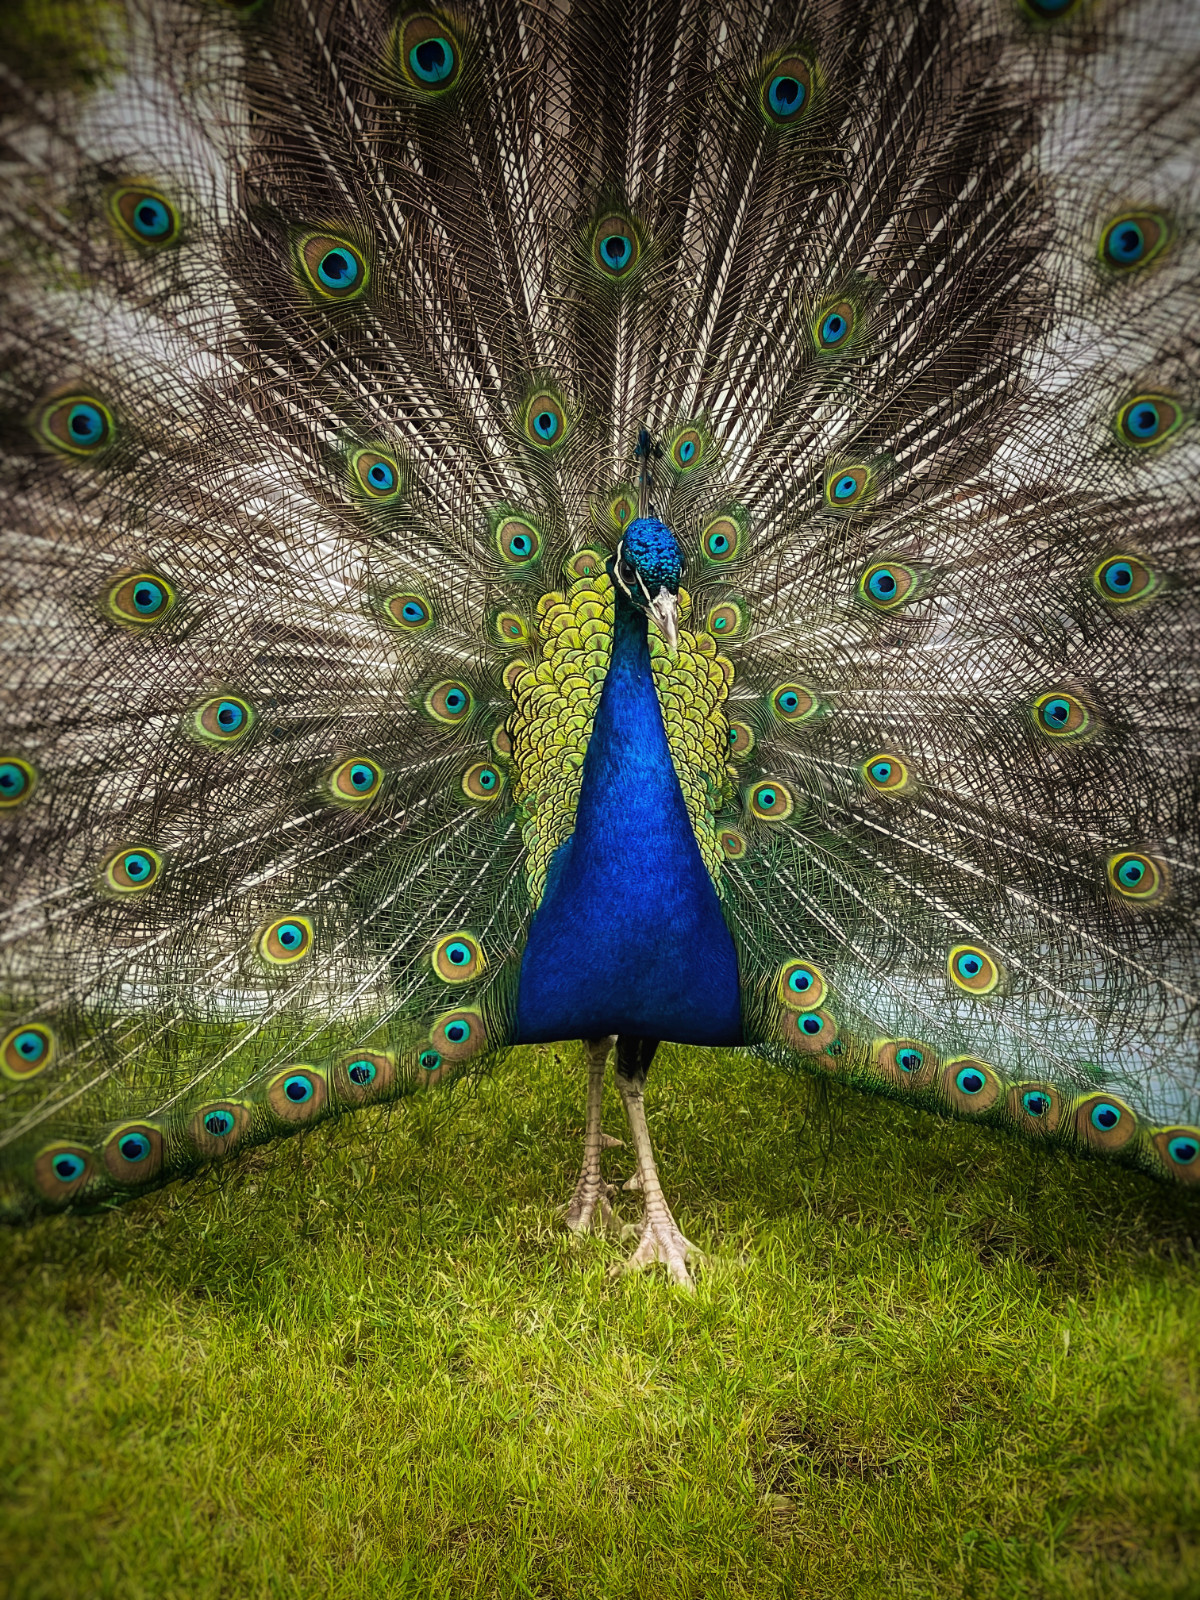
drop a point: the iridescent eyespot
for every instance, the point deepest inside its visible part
(615, 247)
(969, 1085)
(1050, 10)
(846, 486)
(285, 941)
(335, 269)
(720, 540)
(741, 740)
(17, 781)
(1135, 876)
(428, 54)
(786, 91)
(222, 719)
(886, 584)
(792, 702)
(482, 781)
(458, 1034)
(1124, 578)
(61, 1170)
(586, 563)
(800, 985)
(297, 1093)
(449, 702)
(835, 326)
(25, 1051)
(807, 1031)
(518, 541)
(408, 612)
(1035, 1103)
(133, 1152)
(145, 215)
(545, 422)
(1134, 239)
(216, 1129)
(770, 802)
(140, 601)
(511, 628)
(886, 773)
(906, 1062)
(355, 781)
(1061, 716)
(363, 1075)
(458, 957)
(80, 424)
(1149, 419)
(733, 844)
(1180, 1151)
(130, 871)
(429, 1060)
(376, 474)
(973, 970)
(726, 621)
(687, 449)
(1104, 1123)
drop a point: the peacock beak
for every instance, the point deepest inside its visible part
(664, 608)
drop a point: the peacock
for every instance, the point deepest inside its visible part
(601, 521)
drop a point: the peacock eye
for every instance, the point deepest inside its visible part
(886, 774)
(145, 215)
(1149, 419)
(1132, 240)
(333, 267)
(518, 541)
(628, 573)
(973, 970)
(545, 422)
(835, 326)
(376, 475)
(428, 54)
(786, 90)
(846, 487)
(429, 1060)
(355, 780)
(409, 612)
(458, 957)
(1136, 877)
(17, 780)
(449, 702)
(615, 247)
(887, 584)
(141, 600)
(80, 425)
(482, 781)
(287, 940)
(131, 870)
(25, 1051)
(687, 449)
(1123, 578)
(1061, 716)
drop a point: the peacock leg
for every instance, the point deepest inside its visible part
(591, 1191)
(660, 1238)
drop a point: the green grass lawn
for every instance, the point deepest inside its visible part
(921, 1360)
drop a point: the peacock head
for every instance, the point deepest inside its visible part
(646, 569)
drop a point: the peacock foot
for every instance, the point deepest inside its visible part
(590, 1208)
(661, 1241)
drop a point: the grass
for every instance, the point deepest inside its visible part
(922, 1360)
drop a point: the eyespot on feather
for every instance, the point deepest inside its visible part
(1060, 715)
(361, 1076)
(458, 1035)
(332, 268)
(133, 1152)
(616, 246)
(1136, 877)
(518, 541)
(297, 1093)
(800, 984)
(1133, 240)
(969, 1085)
(973, 970)
(884, 773)
(222, 719)
(786, 86)
(76, 424)
(457, 958)
(449, 702)
(908, 1063)
(1036, 1108)
(1124, 580)
(131, 870)
(216, 1128)
(1179, 1150)
(355, 782)
(733, 844)
(770, 801)
(482, 782)
(886, 585)
(26, 1050)
(847, 487)
(793, 703)
(408, 612)
(727, 620)
(139, 600)
(1149, 419)
(375, 475)
(721, 540)
(62, 1169)
(285, 941)
(544, 421)
(18, 780)
(428, 54)
(1102, 1122)
(144, 215)
(810, 1031)
(741, 740)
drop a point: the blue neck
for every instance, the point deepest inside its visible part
(629, 937)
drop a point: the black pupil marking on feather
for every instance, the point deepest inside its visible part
(455, 700)
(810, 1022)
(909, 1060)
(361, 1073)
(431, 60)
(487, 779)
(297, 1090)
(134, 1147)
(786, 95)
(337, 268)
(1105, 1118)
(1036, 1105)
(457, 1032)
(800, 981)
(969, 966)
(380, 476)
(218, 1123)
(67, 1168)
(520, 544)
(1184, 1151)
(546, 424)
(430, 1061)
(413, 612)
(970, 1082)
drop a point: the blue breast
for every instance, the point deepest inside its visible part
(629, 937)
